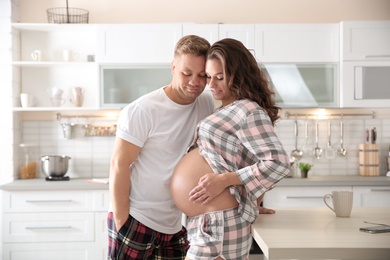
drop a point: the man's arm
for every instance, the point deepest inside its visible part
(124, 155)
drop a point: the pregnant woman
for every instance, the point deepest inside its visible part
(235, 157)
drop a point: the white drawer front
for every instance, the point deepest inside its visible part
(47, 201)
(48, 227)
(102, 200)
(299, 196)
(101, 227)
(378, 196)
(44, 251)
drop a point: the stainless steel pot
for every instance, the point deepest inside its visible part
(54, 165)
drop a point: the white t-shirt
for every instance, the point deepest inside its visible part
(164, 130)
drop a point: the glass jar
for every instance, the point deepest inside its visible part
(29, 161)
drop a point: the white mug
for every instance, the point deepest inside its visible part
(342, 203)
(36, 55)
(70, 55)
(54, 92)
(27, 100)
(57, 101)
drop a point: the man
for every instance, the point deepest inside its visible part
(153, 133)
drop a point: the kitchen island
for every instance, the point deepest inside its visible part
(316, 233)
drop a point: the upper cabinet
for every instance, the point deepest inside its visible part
(304, 85)
(242, 32)
(214, 32)
(310, 65)
(122, 84)
(207, 31)
(301, 61)
(297, 42)
(137, 43)
(365, 40)
(365, 64)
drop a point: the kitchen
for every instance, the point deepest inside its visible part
(90, 154)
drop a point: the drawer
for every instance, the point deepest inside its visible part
(101, 227)
(299, 196)
(374, 196)
(48, 227)
(102, 200)
(47, 201)
(44, 251)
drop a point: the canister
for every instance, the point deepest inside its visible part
(29, 161)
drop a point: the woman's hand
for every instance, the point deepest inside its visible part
(209, 186)
(263, 210)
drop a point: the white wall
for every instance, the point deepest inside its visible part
(215, 11)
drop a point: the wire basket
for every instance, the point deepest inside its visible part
(67, 15)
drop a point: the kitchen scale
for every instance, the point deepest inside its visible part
(62, 178)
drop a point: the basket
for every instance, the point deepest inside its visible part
(67, 15)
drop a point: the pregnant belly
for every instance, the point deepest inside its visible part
(186, 176)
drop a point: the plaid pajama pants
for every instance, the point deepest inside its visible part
(136, 241)
(219, 234)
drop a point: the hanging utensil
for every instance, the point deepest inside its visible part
(296, 154)
(373, 135)
(317, 151)
(342, 151)
(304, 148)
(329, 151)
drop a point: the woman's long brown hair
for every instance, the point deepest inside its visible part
(244, 77)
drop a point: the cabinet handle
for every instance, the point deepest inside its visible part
(378, 56)
(380, 189)
(45, 201)
(58, 227)
(304, 197)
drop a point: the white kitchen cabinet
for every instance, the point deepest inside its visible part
(51, 70)
(304, 85)
(59, 224)
(378, 196)
(299, 196)
(363, 196)
(48, 201)
(137, 43)
(50, 251)
(242, 32)
(207, 31)
(365, 84)
(297, 42)
(122, 84)
(48, 227)
(365, 40)
(101, 239)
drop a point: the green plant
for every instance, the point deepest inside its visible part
(305, 167)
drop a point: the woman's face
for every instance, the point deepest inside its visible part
(217, 82)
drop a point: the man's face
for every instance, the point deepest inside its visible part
(189, 77)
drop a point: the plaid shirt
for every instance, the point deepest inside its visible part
(240, 138)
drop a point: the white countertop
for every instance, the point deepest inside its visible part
(83, 184)
(336, 181)
(316, 233)
(42, 184)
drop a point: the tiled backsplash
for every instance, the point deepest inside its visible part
(91, 155)
(354, 129)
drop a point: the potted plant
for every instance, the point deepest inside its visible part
(305, 168)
